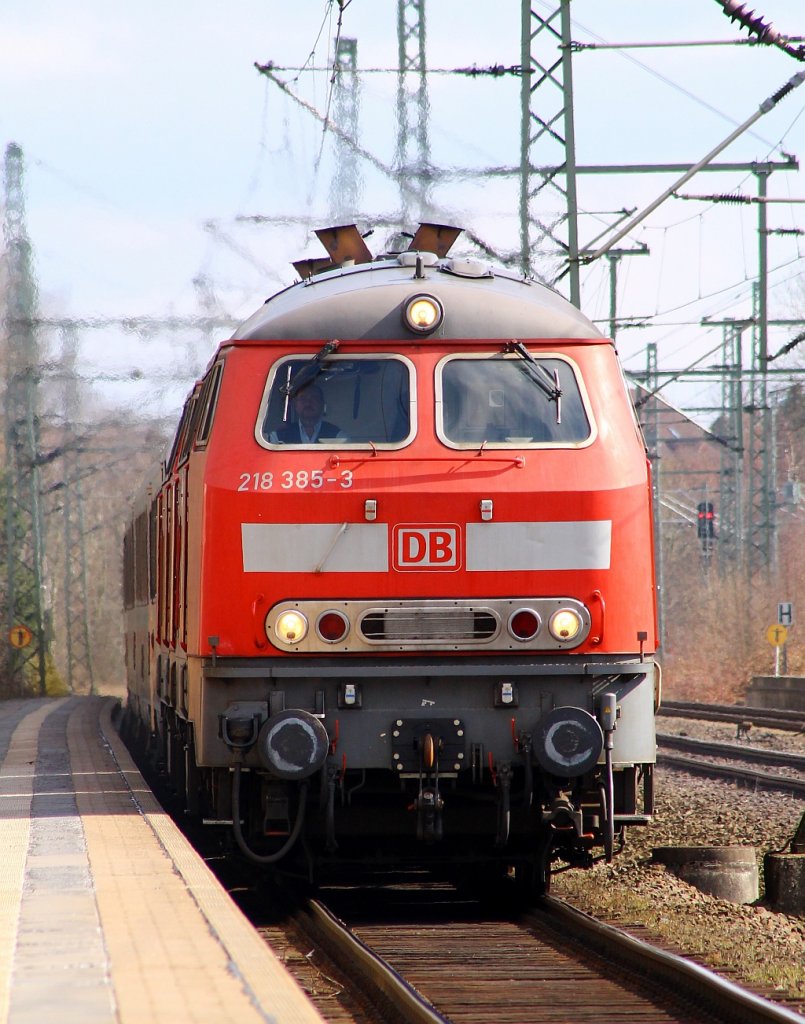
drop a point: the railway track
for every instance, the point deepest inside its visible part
(435, 957)
(767, 718)
(418, 955)
(787, 770)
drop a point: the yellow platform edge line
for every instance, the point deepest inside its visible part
(272, 990)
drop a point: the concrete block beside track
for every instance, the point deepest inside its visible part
(726, 872)
(107, 914)
(784, 692)
(785, 882)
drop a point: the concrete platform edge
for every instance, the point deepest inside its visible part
(271, 989)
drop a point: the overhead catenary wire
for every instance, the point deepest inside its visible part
(676, 375)
(493, 69)
(578, 47)
(334, 69)
(471, 71)
(767, 105)
(311, 56)
(622, 47)
(643, 320)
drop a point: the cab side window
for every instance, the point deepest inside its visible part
(207, 403)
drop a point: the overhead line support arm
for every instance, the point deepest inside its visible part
(764, 108)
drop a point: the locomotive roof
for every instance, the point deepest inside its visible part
(364, 301)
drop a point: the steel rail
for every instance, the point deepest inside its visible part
(760, 720)
(766, 718)
(762, 780)
(638, 960)
(780, 758)
(739, 710)
(726, 1000)
(354, 956)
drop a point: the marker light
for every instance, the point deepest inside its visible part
(332, 626)
(565, 624)
(291, 627)
(423, 314)
(524, 624)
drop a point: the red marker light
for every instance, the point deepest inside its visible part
(524, 624)
(332, 626)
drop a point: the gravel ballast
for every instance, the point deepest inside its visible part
(752, 945)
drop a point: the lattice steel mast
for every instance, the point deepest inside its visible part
(347, 186)
(24, 535)
(547, 144)
(412, 157)
(762, 463)
(80, 677)
(731, 475)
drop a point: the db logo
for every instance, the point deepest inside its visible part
(428, 548)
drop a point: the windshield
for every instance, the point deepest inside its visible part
(495, 400)
(350, 400)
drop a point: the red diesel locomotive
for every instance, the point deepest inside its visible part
(390, 599)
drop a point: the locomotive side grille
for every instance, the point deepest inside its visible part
(413, 625)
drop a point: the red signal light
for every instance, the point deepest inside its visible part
(706, 519)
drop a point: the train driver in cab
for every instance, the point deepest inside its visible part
(310, 425)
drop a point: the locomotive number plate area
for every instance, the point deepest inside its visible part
(409, 746)
(295, 479)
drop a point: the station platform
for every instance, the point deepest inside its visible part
(107, 914)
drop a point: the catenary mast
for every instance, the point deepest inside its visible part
(26, 634)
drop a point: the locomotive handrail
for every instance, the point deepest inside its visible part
(336, 460)
(598, 598)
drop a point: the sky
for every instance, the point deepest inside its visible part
(166, 179)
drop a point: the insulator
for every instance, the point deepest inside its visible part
(719, 197)
(754, 23)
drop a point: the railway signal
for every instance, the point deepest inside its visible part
(705, 526)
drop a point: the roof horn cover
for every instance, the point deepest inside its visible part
(436, 238)
(344, 243)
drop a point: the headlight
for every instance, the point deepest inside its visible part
(291, 627)
(422, 314)
(565, 624)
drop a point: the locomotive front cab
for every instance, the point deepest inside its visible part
(420, 606)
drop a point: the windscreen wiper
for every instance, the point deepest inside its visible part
(308, 373)
(546, 381)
